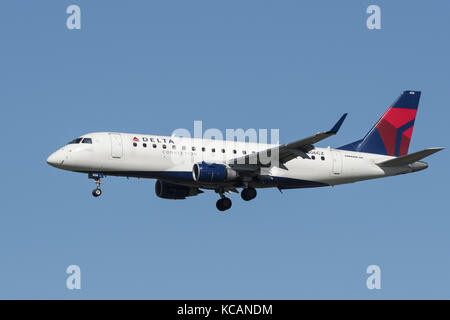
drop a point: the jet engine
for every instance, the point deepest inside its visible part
(212, 172)
(167, 190)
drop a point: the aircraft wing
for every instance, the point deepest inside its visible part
(283, 153)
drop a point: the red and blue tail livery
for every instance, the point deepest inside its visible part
(391, 135)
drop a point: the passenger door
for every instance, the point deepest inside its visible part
(116, 145)
(337, 162)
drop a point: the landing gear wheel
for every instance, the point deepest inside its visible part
(248, 193)
(97, 193)
(223, 204)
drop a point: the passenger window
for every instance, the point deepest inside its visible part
(203, 149)
(87, 140)
(183, 148)
(213, 150)
(144, 145)
(234, 151)
(323, 158)
(134, 144)
(244, 152)
(253, 151)
(193, 148)
(223, 150)
(164, 146)
(313, 157)
(174, 147)
(154, 145)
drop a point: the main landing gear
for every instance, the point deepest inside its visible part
(224, 203)
(97, 192)
(248, 193)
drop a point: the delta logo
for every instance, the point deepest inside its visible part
(153, 139)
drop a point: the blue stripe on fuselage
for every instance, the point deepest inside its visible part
(186, 176)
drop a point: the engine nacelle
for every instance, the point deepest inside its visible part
(212, 172)
(167, 190)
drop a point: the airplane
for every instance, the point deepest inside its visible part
(184, 167)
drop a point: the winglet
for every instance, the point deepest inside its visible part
(338, 124)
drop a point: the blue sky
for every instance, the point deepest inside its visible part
(154, 66)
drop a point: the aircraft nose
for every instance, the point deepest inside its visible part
(55, 159)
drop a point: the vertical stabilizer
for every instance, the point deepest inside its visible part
(391, 135)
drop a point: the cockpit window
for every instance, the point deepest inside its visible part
(87, 140)
(75, 141)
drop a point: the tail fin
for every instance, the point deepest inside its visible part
(391, 135)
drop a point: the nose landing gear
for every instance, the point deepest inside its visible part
(96, 176)
(97, 192)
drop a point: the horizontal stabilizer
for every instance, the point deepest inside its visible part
(409, 158)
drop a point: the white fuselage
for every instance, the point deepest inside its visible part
(172, 158)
